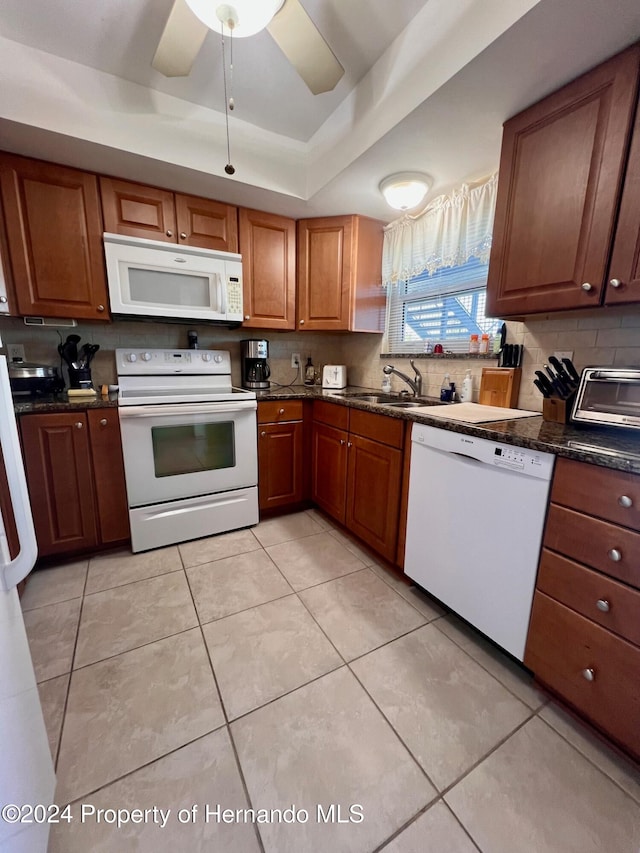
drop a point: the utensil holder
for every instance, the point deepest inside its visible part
(556, 410)
(80, 377)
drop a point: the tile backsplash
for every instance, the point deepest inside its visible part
(598, 337)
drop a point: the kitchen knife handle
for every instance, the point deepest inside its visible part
(538, 385)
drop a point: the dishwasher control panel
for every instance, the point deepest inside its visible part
(516, 458)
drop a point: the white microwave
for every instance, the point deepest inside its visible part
(151, 279)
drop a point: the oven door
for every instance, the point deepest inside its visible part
(184, 450)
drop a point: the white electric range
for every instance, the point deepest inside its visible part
(189, 444)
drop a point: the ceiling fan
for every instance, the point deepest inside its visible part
(288, 23)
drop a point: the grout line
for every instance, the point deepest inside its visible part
(218, 559)
(131, 583)
(587, 758)
(408, 823)
(461, 825)
(50, 604)
(244, 785)
(136, 648)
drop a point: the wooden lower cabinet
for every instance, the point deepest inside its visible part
(373, 493)
(595, 671)
(358, 473)
(75, 476)
(584, 640)
(280, 468)
(329, 473)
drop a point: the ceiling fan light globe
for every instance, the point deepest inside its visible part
(248, 16)
(405, 190)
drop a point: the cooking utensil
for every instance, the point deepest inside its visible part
(540, 388)
(573, 373)
(562, 373)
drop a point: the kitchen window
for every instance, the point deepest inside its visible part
(444, 307)
(435, 267)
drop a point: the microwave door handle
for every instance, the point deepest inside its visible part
(222, 302)
(15, 570)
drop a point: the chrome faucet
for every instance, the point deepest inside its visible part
(415, 384)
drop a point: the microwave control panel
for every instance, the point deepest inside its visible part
(234, 296)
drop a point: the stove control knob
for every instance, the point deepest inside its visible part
(217, 359)
(146, 356)
(132, 357)
(206, 356)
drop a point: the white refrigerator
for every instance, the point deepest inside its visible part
(27, 776)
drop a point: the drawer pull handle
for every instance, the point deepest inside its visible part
(589, 674)
(615, 555)
(603, 604)
(625, 501)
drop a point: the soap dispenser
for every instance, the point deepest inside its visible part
(467, 388)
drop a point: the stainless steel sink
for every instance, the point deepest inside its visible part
(410, 404)
(368, 397)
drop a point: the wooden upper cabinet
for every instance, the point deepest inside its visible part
(54, 239)
(561, 169)
(136, 210)
(624, 269)
(340, 274)
(206, 224)
(268, 247)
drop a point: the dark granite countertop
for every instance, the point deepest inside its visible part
(61, 403)
(609, 447)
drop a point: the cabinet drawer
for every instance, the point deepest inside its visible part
(563, 647)
(610, 549)
(331, 414)
(612, 495)
(274, 411)
(377, 427)
(609, 603)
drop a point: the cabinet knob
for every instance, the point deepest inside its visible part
(342, 441)
(615, 555)
(3, 299)
(247, 316)
(615, 282)
(281, 411)
(349, 444)
(103, 422)
(603, 604)
(169, 233)
(262, 434)
(100, 308)
(586, 286)
(589, 674)
(183, 236)
(78, 424)
(625, 501)
(301, 323)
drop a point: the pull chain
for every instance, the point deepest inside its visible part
(229, 169)
(231, 101)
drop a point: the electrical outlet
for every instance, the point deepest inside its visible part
(295, 359)
(565, 354)
(16, 351)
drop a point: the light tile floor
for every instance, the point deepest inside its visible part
(282, 667)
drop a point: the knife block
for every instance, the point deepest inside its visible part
(499, 386)
(556, 410)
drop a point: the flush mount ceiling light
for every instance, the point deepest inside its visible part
(405, 190)
(243, 17)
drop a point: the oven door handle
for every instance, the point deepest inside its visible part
(154, 411)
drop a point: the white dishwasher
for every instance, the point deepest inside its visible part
(474, 528)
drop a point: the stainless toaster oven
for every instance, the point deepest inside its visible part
(608, 396)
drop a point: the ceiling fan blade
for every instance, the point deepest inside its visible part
(299, 39)
(180, 42)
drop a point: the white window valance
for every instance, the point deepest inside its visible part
(450, 231)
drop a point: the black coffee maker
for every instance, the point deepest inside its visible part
(255, 367)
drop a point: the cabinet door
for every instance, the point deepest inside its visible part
(108, 473)
(373, 494)
(267, 244)
(206, 224)
(279, 464)
(54, 235)
(58, 467)
(624, 269)
(329, 470)
(136, 210)
(325, 268)
(561, 167)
